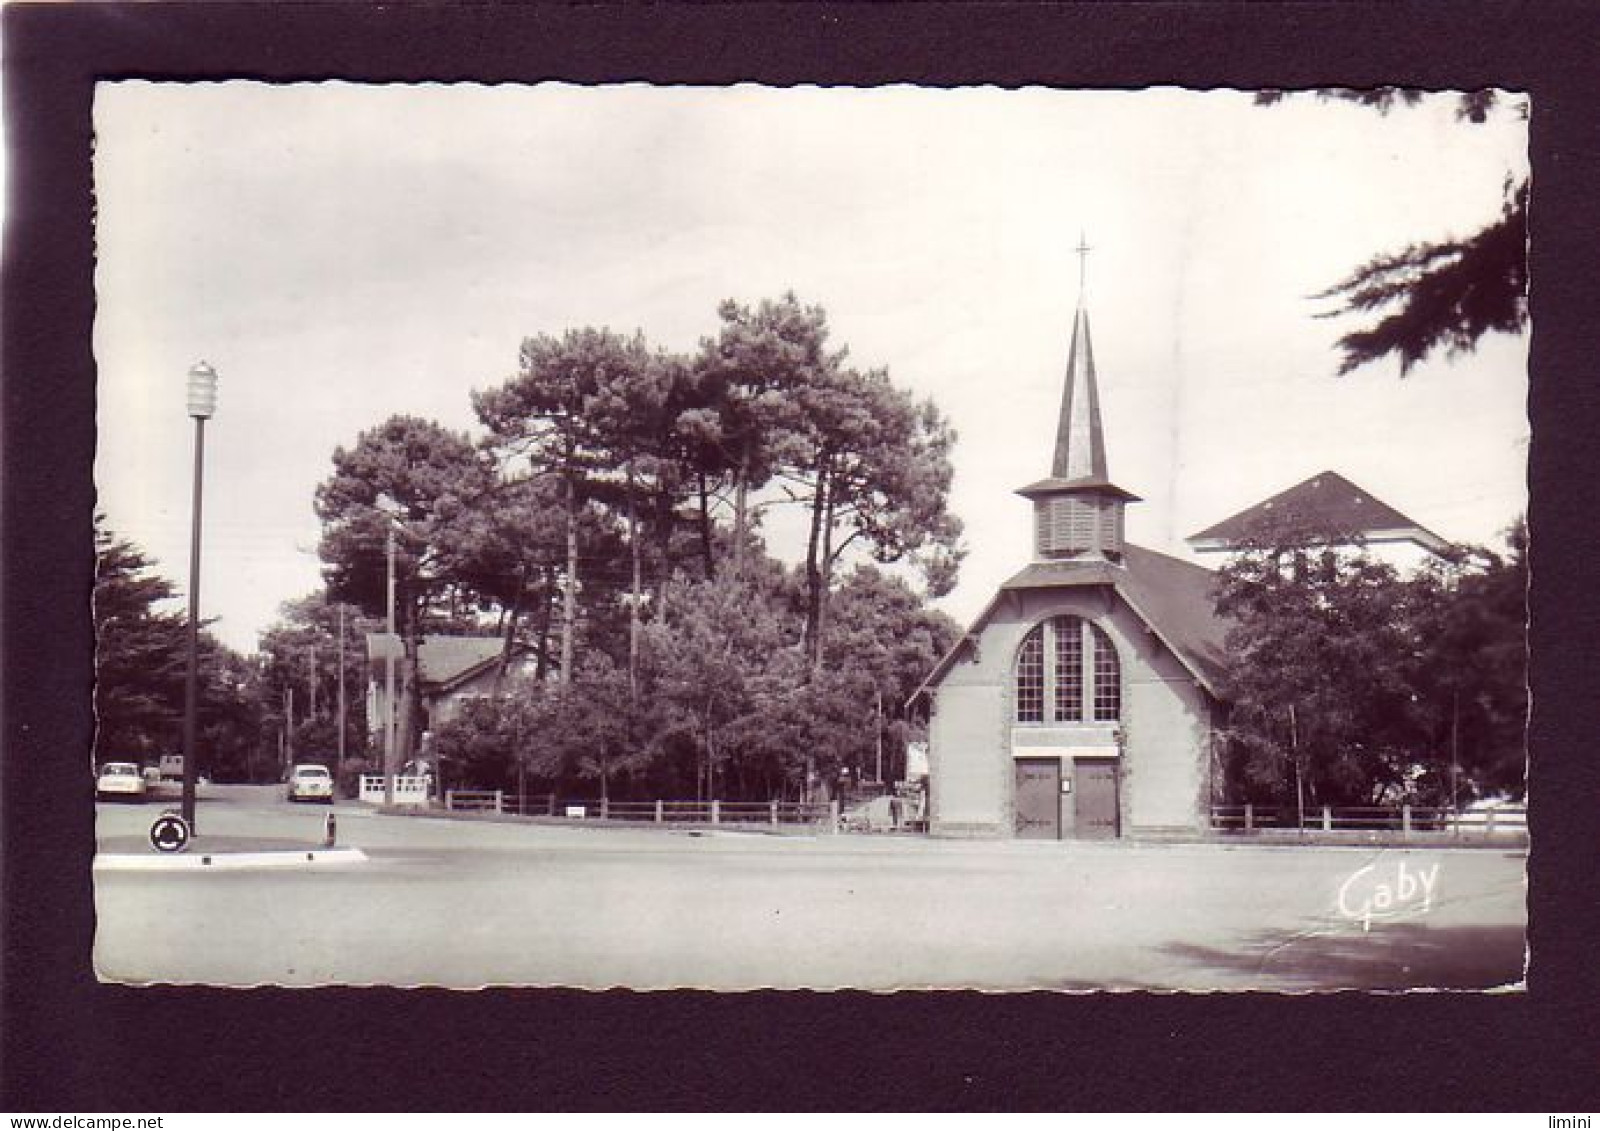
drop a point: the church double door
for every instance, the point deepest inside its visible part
(1039, 798)
(1095, 798)
(1087, 806)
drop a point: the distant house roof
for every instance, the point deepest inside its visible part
(1173, 597)
(443, 661)
(1327, 501)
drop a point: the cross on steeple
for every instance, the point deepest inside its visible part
(1083, 249)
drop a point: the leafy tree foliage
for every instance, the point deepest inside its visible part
(1474, 685)
(747, 422)
(608, 520)
(435, 479)
(139, 656)
(141, 665)
(300, 669)
(1442, 295)
(574, 412)
(725, 702)
(1349, 685)
(869, 462)
(1436, 295)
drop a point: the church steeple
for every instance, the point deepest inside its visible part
(1080, 445)
(1078, 510)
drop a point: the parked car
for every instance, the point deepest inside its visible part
(311, 782)
(123, 781)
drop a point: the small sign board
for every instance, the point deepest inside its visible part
(577, 811)
(169, 833)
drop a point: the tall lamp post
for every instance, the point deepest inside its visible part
(202, 404)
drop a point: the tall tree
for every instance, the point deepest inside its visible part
(510, 557)
(882, 633)
(301, 652)
(705, 658)
(435, 478)
(748, 422)
(878, 475)
(550, 421)
(141, 660)
(1323, 662)
(1474, 681)
(139, 654)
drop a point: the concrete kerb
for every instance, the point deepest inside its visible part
(227, 861)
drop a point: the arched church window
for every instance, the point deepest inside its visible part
(1030, 679)
(1107, 678)
(1067, 671)
(1069, 668)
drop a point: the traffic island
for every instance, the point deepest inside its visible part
(219, 853)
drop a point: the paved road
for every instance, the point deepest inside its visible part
(466, 904)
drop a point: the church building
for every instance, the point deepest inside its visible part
(1082, 702)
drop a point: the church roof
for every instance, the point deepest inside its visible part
(1326, 501)
(1173, 598)
(1088, 485)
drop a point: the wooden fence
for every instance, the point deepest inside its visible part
(1407, 822)
(659, 812)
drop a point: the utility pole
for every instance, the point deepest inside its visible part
(1455, 745)
(339, 651)
(878, 695)
(388, 679)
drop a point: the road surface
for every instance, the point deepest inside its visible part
(466, 904)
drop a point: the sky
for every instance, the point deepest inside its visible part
(343, 253)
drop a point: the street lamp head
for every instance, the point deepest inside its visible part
(388, 505)
(202, 390)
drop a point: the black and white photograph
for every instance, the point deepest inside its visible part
(810, 538)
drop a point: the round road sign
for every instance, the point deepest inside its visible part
(170, 833)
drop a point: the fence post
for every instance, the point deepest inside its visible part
(833, 814)
(605, 808)
(716, 811)
(550, 800)
(1488, 824)
(772, 812)
(449, 800)
(660, 815)
(1405, 822)
(1249, 817)
(1327, 819)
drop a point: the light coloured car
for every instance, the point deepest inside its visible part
(123, 781)
(311, 783)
